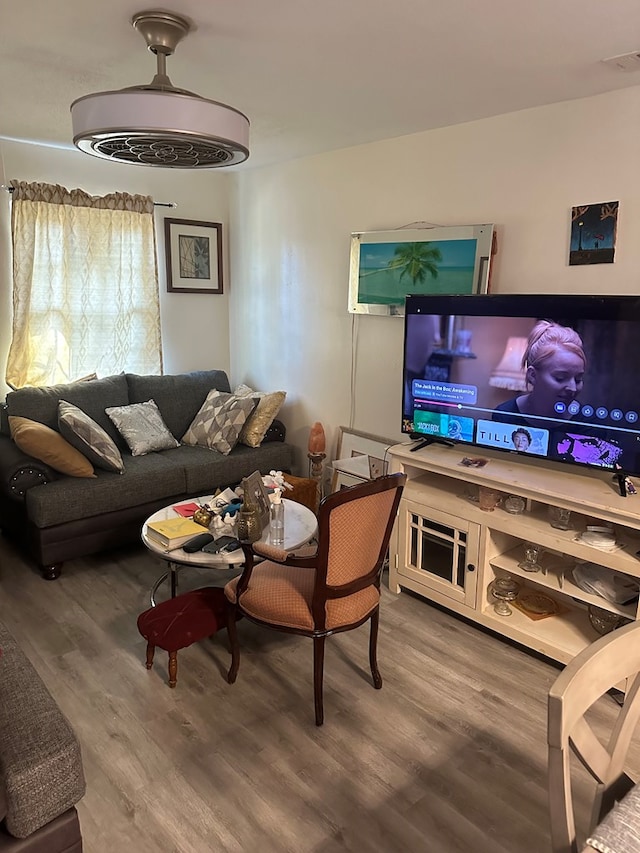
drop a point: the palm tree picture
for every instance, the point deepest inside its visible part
(388, 271)
(416, 261)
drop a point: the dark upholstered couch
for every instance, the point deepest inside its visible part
(41, 775)
(55, 517)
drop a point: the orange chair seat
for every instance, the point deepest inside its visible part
(281, 595)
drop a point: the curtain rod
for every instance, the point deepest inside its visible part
(155, 203)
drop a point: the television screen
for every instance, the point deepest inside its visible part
(549, 376)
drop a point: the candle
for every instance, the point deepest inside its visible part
(317, 441)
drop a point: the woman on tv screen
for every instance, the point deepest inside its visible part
(554, 364)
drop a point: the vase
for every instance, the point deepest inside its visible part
(249, 523)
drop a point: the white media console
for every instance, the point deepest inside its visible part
(448, 550)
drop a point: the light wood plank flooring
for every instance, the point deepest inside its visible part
(449, 756)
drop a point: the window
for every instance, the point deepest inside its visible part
(85, 285)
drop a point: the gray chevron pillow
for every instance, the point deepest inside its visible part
(83, 433)
(219, 421)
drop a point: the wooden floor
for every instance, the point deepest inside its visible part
(449, 756)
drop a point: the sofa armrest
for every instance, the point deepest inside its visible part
(19, 472)
(41, 770)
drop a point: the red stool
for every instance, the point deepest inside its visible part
(181, 621)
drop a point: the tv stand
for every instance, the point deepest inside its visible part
(431, 439)
(448, 550)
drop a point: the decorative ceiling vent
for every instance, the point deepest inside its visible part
(624, 62)
(157, 124)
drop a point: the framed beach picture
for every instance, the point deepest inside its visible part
(385, 266)
(193, 253)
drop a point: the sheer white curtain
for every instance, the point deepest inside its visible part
(85, 285)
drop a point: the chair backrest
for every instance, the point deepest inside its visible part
(608, 662)
(354, 528)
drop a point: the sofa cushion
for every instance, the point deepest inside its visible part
(41, 404)
(151, 477)
(49, 447)
(218, 423)
(204, 468)
(178, 397)
(142, 427)
(269, 404)
(83, 433)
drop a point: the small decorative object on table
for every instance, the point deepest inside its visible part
(504, 589)
(249, 523)
(203, 516)
(275, 480)
(255, 492)
(276, 520)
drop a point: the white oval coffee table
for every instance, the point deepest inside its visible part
(300, 525)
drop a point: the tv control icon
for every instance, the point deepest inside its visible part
(559, 408)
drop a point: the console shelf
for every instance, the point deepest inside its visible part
(448, 550)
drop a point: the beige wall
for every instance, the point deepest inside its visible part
(195, 327)
(290, 227)
(289, 230)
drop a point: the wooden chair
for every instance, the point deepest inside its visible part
(607, 662)
(335, 589)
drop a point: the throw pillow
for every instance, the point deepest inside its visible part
(218, 423)
(49, 446)
(142, 427)
(269, 404)
(83, 433)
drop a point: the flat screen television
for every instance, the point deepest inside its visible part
(556, 377)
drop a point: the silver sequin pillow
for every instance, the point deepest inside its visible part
(219, 421)
(83, 433)
(142, 427)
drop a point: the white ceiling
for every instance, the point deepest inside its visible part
(316, 76)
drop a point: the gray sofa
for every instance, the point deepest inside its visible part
(41, 775)
(54, 517)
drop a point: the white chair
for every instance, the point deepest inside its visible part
(608, 662)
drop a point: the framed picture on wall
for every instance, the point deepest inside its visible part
(193, 252)
(387, 265)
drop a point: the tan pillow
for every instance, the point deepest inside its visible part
(49, 446)
(259, 421)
